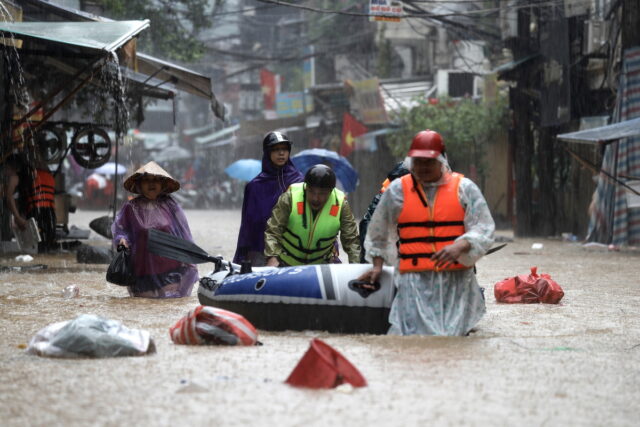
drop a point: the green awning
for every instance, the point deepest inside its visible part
(181, 77)
(101, 36)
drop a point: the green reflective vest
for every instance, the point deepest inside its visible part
(311, 241)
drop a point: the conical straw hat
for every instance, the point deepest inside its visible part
(151, 168)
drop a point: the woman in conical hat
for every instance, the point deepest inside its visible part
(156, 277)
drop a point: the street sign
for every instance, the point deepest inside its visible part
(385, 10)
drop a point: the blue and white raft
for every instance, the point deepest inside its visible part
(319, 297)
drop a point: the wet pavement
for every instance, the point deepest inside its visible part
(576, 363)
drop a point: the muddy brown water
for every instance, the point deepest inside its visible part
(577, 363)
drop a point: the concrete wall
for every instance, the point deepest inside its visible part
(496, 187)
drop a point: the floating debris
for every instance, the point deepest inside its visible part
(21, 269)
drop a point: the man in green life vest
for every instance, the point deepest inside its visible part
(306, 220)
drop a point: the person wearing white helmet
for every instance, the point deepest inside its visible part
(433, 225)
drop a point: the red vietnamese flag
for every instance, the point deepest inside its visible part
(269, 88)
(351, 128)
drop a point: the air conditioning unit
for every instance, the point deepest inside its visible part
(594, 36)
(575, 8)
(457, 84)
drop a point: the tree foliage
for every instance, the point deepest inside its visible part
(175, 24)
(385, 52)
(467, 127)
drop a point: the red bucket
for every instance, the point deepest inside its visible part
(324, 367)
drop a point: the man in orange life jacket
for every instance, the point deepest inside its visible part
(35, 187)
(306, 220)
(442, 225)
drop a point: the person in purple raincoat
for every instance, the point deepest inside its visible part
(156, 276)
(261, 194)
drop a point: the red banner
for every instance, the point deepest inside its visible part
(268, 82)
(351, 128)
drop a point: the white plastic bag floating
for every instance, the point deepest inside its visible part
(89, 335)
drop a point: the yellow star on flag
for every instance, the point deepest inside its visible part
(349, 139)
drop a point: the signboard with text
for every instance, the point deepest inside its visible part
(385, 10)
(369, 102)
(309, 68)
(291, 104)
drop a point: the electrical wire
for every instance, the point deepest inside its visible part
(466, 33)
(333, 49)
(542, 3)
(241, 11)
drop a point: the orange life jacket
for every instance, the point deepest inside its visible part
(43, 192)
(424, 231)
(385, 185)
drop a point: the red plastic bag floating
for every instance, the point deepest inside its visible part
(528, 289)
(324, 367)
(210, 325)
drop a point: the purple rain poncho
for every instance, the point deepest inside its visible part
(260, 195)
(156, 276)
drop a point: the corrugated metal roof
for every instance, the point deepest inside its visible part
(604, 133)
(102, 36)
(405, 94)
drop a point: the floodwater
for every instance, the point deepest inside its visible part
(577, 363)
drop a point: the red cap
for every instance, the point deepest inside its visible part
(426, 143)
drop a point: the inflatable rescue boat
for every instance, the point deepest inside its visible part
(320, 297)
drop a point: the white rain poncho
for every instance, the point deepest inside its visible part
(433, 303)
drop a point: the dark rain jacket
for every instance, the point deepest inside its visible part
(260, 195)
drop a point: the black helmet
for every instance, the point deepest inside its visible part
(320, 176)
(274, 138)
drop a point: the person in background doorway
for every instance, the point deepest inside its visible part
(306, 221)
(156, 276)
(443, 226)
(262, 193)
(34, 186)
(5, 214)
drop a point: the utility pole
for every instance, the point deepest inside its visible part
(545, 170)
(521, 138)
(630, 23)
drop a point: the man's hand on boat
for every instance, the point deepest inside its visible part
(273, 262)
(372, 275)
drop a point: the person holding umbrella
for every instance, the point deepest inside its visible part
(306, 221)
(261, 194)
(443, 227)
